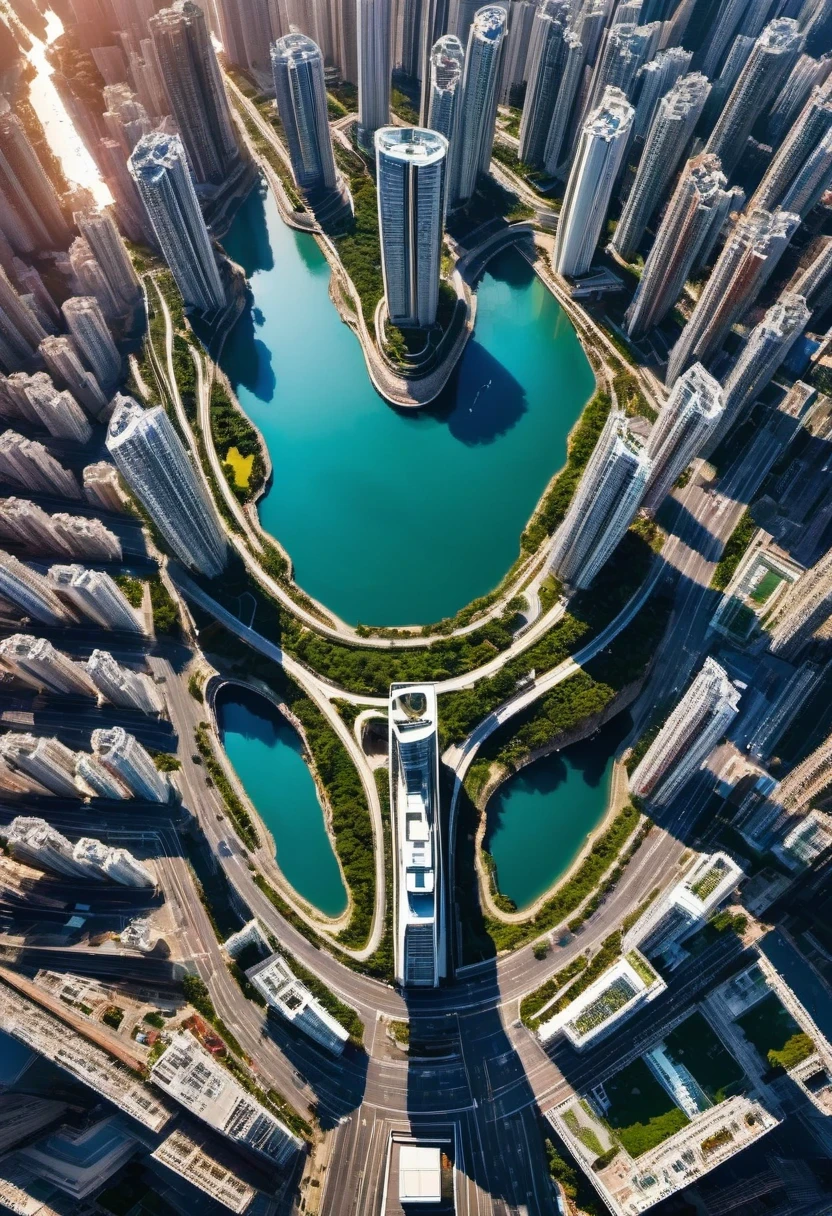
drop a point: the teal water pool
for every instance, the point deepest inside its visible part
(390, 516)
(267, 755)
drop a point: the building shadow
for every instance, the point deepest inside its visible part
(464, 1072)
(339, 1084)
(247, 242)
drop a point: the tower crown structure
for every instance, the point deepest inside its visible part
(688, 736)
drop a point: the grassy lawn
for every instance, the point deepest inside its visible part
(699, 1048)
(641, 1113)
(766, 586)
(241, 466)
(768, 1025)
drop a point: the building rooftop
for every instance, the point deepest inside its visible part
(420, 1174)
(416, 145)
(295, 48)
(208, 1091)
(613, 116)
(489, 23)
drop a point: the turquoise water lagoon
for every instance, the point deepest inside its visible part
(396, 517)
(267, 755)
(538, 821)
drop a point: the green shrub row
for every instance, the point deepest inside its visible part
(165, 612)
(231, 429)
(735, 548)
(239, 815)
(580, 446)
(359, 247)
(535, 1001)
(351, 824)
(595, 967)
(133, 589)
(589, 613)
(196, 993)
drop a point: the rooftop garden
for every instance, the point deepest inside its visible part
(641, 1113)
(710, 880)
(615, 997)
(772, 1030)
(697, 1046)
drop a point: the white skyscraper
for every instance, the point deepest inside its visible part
(410, 164)
(31, 592)
(547, 55)
(20, 329)
(802, 610)
(102, 487)
(772, 57)
(605, 502)
(27, 463)
(67, 370)
(94, 596)
(687, 233)
(766, 347)
(447, 65)
(58, 412)
(59, 534)
(30, 525)
(99, 780)
(150, 457)
(87, 538)
(375, 66)
(92, 337)
(37, 663)
(480, 96)
(747, 261)
(810, 128)
(558, 139)
(689, 735)
(657, 78)
(125, 757)
(160, 170)
(780, 713)
(420, 935)
(119, 685)
(99, 231)
(668, 137)
(33, 841)
(46, 760)
(209, 1092)
(90, 279)
(683, 428)
(298, 70)
(601, 149)
(276, 981)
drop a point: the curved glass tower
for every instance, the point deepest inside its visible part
(298, 70)
(411, 165)
(479, 103)
(447, 63)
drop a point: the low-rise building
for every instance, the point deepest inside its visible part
(602, 1007)
(685, 907)
(208, 1091)
(83, 1060)
(277, 982)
